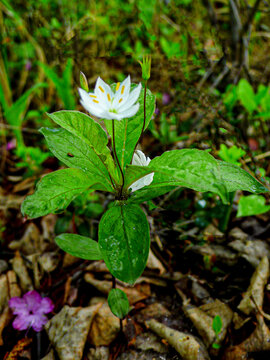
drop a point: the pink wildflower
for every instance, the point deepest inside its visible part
(30, 310)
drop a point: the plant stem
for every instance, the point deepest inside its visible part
(224, 223)
(144, 115)
(121, 325)
(116, 158)
(38, 346)
(113, 282)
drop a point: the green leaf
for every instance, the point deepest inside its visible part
(128, 131)
(148, 193)
(124, 241)
(252, 205)
(118, 303)
(85, 128)
(62, 84)
(15, 113)
(217, 324)
(79, 246)
(54, 192)
(246, 95)
(134, 173)
(198, 170)
(232, 154)
(75, 153)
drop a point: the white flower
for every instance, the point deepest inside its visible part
(106, 104)
(141, 160)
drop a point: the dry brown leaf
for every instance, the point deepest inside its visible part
(202, 322)
(3, 266)
(8, 288)
(30, 243)
(68, 330)
(202, 318)
(105, 326)
(22, 273)
(253, 298)
(49, 356)
(135, 293)
(102, 285)
(4, 320)
(154, 263)
(14, 289)
(69, 260)
(212, 233)
(49, 261)
(19, 350)
(253, 251)
(48, 225)
(99, 353)
(154, 310)
(258, 341)
(97, 266)
(3, 292)
(185, 344)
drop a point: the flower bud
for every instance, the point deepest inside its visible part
(83, 82)
(146, 67)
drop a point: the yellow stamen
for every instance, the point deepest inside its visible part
(101, 89)
(117, 86)
(122, 90)
(108, 96)
(120, 100)
(96, 101)
(93, 96)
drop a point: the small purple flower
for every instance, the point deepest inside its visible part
(166, 99)
(28, 65)
(11, 145)
(156, 111)
(30, 310)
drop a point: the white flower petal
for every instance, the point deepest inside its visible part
(133, 97)
(89, 105)
(116, 116)
(122, 93)
(139, 184)
(130, 111)
(101, 91)
(140, 159)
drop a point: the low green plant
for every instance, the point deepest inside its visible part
(256, 104)
(252, 205)
(217, 327)
(232, 154)
(167, 132)
(31, 158)
(15, 113)
(124, 172)
(63, 83)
